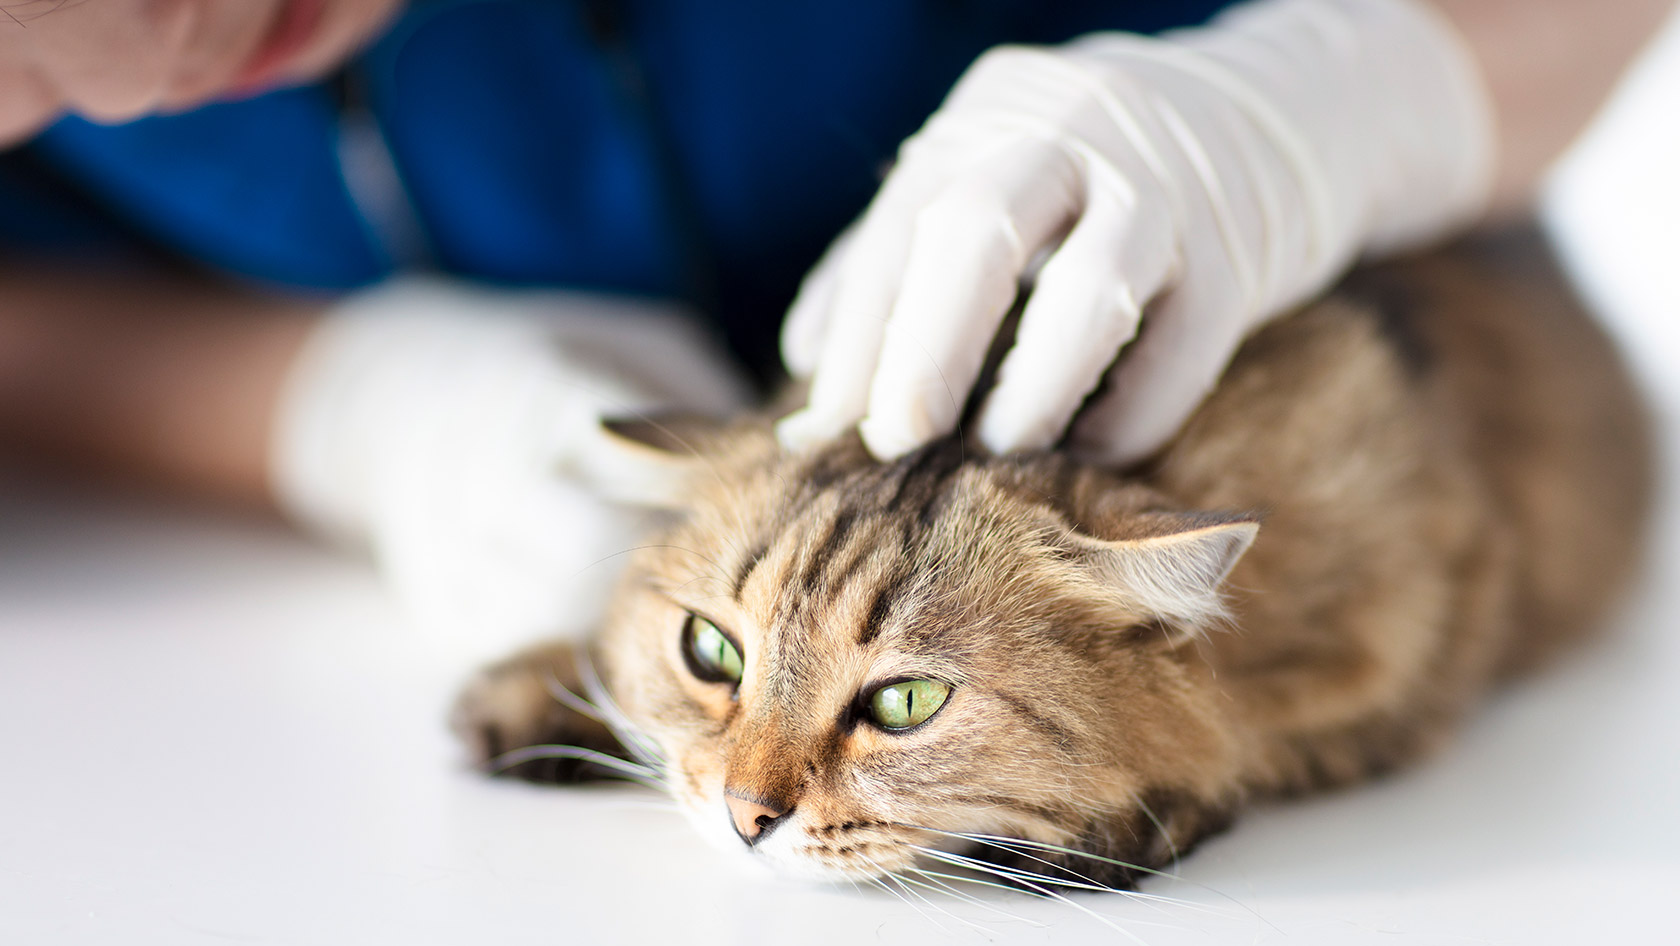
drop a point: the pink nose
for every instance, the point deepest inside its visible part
(751, 818)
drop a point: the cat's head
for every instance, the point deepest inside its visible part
(846, 663)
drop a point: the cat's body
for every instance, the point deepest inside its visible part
(1449, 471)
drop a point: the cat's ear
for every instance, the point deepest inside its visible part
(649, 462)
(1170, 565)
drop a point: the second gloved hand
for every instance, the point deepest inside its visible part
(1177, 189)
(435, 424)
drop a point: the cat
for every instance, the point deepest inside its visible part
(1428, 482)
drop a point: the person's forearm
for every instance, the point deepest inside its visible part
(170, 380)
(1549, 65)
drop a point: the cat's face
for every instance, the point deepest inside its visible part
(845, 663)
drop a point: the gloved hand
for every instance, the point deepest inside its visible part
(435, 424)
(1178, 191)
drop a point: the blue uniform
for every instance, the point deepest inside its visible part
(701, 150)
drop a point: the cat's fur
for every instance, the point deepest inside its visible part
(1449, 470)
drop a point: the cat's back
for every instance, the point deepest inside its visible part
(1522, 381)
(1454, 468)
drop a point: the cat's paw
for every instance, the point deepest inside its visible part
(516, 705)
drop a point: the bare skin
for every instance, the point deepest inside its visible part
(171, 379)
(1548, 65)
(163, 378)
(116, 60)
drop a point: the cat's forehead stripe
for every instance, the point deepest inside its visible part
(748, 563)
(924, 480)
(875, 619)
(823, 552)
(847, 540)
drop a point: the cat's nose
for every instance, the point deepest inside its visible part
(753, 819)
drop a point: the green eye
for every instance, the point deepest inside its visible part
(709, 652)
(907, 704)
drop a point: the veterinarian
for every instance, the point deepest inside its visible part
(385, 266)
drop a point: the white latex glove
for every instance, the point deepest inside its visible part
(434, 423)
(1179, 190)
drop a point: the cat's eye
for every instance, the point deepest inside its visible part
(709, 652)
(906, 704)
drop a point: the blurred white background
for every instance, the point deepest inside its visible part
(211, 732)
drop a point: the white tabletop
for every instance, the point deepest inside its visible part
(213, 732)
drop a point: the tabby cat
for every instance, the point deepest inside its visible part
(1428, 482)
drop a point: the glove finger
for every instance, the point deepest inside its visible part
(1084, 307)
(1187, 339)
(862, 285)
(967, 252)
(832, 336)
(808, 318)
(868, 280)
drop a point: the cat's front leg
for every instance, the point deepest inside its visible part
(527, 717)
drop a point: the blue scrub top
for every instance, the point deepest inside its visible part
(705, 151)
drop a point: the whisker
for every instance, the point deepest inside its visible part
(1052, 848)
(1059, 849)
(1166, 835)
(1061, 867)
(908, 893)
(907, 882)
(1154, 900)
(629, 770)
(1003, 870)
(1013, 849)
(878, 882)
(1008, 888)
(640, 746)
(941, 886)
(565, 697)
(886, 875)
(1047, 892)
(1015, 889)
(515, 757)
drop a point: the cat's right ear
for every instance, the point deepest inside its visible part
(649, 462)
(1171, 565)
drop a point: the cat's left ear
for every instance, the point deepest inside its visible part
(650, 462)
(1170, 565)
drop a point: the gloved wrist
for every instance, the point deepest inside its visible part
(419, 356)
(1377, 106)
(432, 422)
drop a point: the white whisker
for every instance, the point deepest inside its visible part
(1003, 870)
(886, 875)
(1020, 877)
(629, 770)
(935, 877)
(1153, 900)
(907, 882)
(1052, 848)
(1166, 835)
(564, 695)
(1015, 844)
(628, 734)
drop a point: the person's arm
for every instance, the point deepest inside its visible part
(434, 422)
(1548, 66)
(167, 379)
